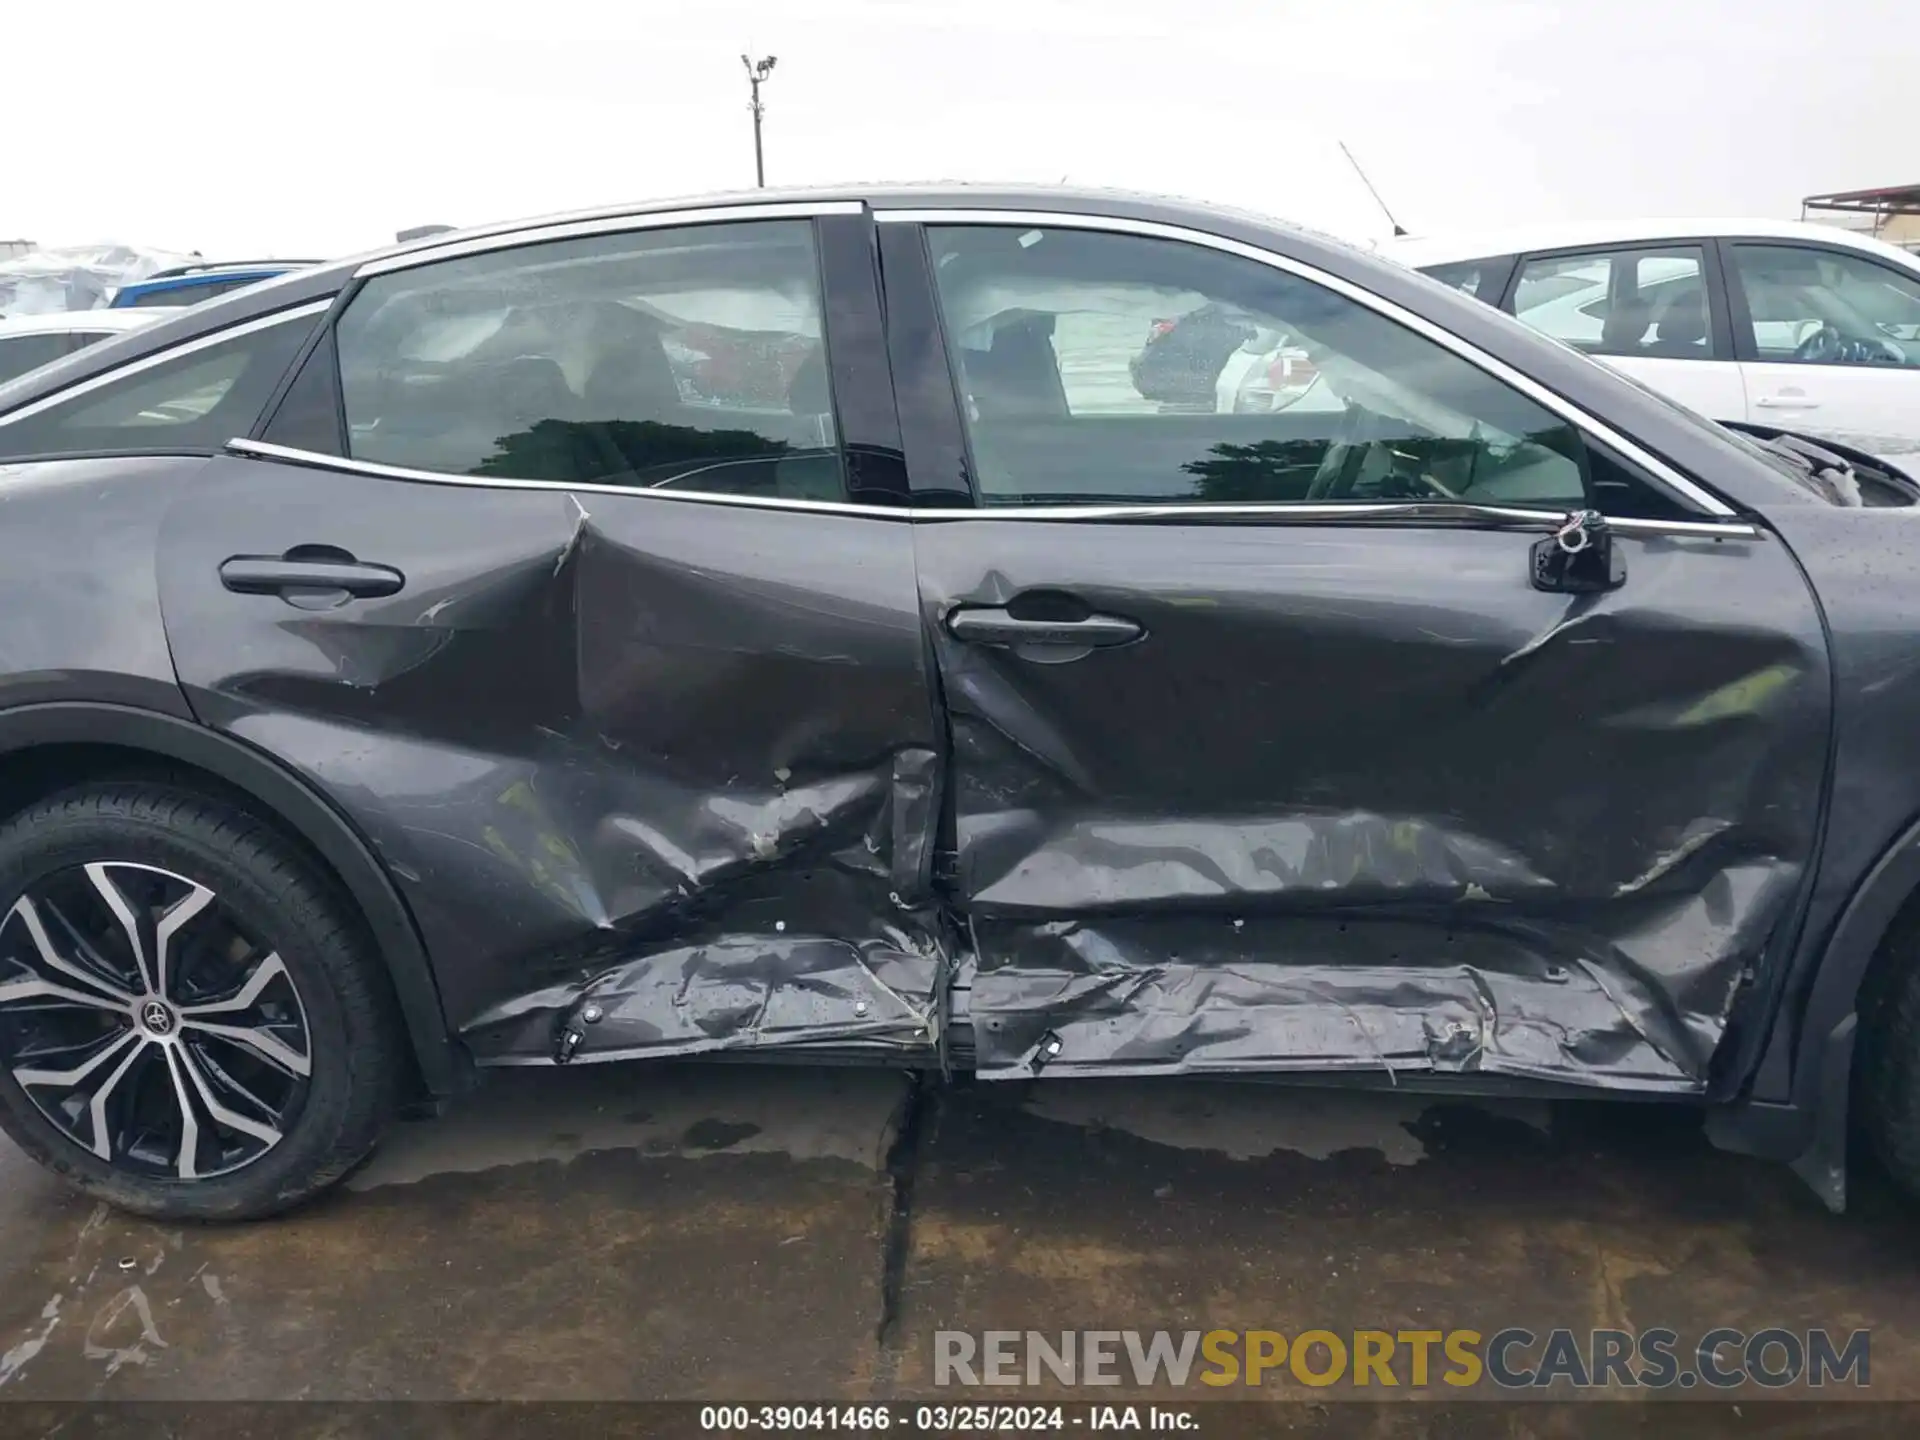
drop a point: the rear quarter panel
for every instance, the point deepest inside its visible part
(79, 593)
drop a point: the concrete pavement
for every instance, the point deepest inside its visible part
(746, 1232)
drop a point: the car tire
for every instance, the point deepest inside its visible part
(276, 1035)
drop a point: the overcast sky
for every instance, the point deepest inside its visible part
(262, 128)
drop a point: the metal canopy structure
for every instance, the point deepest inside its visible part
(1880, 203)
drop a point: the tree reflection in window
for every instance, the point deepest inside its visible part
(646, 454)
(1265, 470)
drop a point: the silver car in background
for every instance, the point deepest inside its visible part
(29, 341)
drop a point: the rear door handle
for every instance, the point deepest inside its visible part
(994, 625)
(1786, 402)
(276, 574)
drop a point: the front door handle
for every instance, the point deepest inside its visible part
(1786, 402)
(995, 625)
(278, 574)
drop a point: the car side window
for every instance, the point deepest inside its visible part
(21, 353)
(308, 415)
(1105, 368)
(689, 358)
(1478, 278)
(1650, 302)
(166, 297)
(193, 401)
(1817, 307)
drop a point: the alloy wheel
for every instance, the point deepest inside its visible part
(147, 1024)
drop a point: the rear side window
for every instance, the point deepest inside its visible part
(21, 353)
(194, 400)
(689, 358)
(165, 297)
(219, 287)
(1650, 302)
(308, 417)
(1482, 279)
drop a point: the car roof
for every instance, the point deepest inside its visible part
(61, 322)
(947, 195)
(1423, 250)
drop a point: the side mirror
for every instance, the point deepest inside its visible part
(1579, 558)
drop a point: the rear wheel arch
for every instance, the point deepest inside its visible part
(46, 747)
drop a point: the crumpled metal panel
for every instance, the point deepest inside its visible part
(735, 992)
(791, 956)
(679, 760)
(1467, 990)
(1364, 800)
(1181, 861)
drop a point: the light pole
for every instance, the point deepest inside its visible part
(757, 72)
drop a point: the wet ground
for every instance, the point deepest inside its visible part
(734, 1233)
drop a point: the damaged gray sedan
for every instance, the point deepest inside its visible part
(784, 627)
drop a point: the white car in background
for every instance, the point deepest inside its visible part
(29, 341)
(1777, 323)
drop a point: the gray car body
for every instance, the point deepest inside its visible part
(108, 647)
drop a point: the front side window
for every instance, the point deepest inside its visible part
(1820, 308)
(690, 358)
(194, 401)
(1626, 302)
(1104, 368)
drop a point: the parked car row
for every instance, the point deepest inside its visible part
(42, 280)
(807, 627)
(1770, 322)
(39, 338)
(1754, 322)
(193, 284)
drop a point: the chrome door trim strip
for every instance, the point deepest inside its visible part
(604, 225)
(172, 352)
(1154, 230)
(263, 450)
(1681, 529)
(1414, 512)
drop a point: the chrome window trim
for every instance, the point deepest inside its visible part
(1277, 513)
(1154, 230)
(160, 357)
(605, 225)
(1413, 512)
(266, 451)
(1734, 528)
